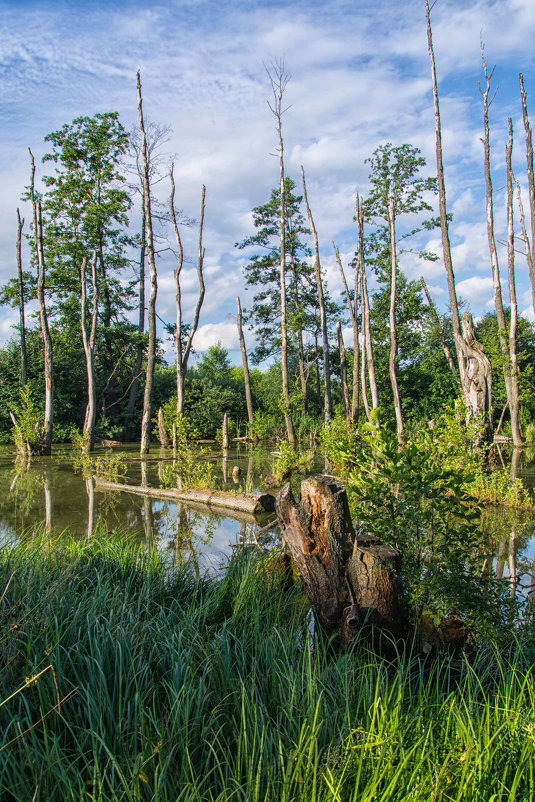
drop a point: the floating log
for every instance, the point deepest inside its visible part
(251, 503)
(350, 580)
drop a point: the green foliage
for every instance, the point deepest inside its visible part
(339, 440)
(266, 426)
(110, 466)
(498, 487)
(287, 460)
(27, 430)
(407, 499)
(188, 468)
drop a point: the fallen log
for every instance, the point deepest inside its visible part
(351, 581)
(249, 503)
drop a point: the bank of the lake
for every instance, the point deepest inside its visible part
(127, 678)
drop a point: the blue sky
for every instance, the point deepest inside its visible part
(360, 78)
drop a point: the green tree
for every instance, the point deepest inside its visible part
(396, 189)
(85, 209)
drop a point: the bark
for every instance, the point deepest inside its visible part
(350, 581)
(134, 389)
(224, 432)
(22, 322)
(514, 393)
(317, 370)
(279, 80)
(531, 186)
(162, 434)
(46, 446)
(479, 377)
(365, 301)
(507, 347)
(246, 379)
(343, 371)
(352, 306)
(151, 350)
(300, 347)
(392, 320)
(183, 353)
(88, 339)
(434, 315)
(446, 248)
(321, 302)
(242, 503)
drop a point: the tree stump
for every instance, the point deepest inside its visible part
(351, 581)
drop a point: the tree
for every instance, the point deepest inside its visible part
(85, 208)
(149, 237)
(396, 189)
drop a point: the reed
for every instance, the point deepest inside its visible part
(125, 678)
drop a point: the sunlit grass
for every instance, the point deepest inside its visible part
(124, 679)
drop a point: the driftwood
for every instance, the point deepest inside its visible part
(214, 500)
(351, 581)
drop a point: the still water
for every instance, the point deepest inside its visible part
(54, 492)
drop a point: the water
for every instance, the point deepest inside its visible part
(53, 491)
(50, 490)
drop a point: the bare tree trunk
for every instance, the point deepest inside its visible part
(151, 350)
(43, 317)
(448, 264)
(354, 412)
(22, 322)
(246, 379)
(479, 377)
(178, 298)
(184, 353)
(279, 81)
(350, 580)
(500, 314)
(317, 370)
(392, 319)
(531, 186)
(224, 432)
(323, 316)
(343, 371)
(134, 389)
(364, 391)
(445, 346)
(89, 349)
(162, 433)
(300, 348)
(365, 301)
(514, 397)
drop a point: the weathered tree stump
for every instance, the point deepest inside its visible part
(351, 581)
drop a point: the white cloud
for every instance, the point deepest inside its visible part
(477, 290)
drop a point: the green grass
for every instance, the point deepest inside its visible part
(177, 689)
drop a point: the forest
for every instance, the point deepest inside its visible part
(370, 639)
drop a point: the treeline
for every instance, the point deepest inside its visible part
(87, 365)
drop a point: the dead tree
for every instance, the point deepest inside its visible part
(88, 339)
(246, 379)
(352, 306)
(444, 225)
(445, 346)
(183, 351)
(514, 399)
(279, 80)
(343, 371)
(478, 377)
(151, 312)
(45, 446)
(323, 317)
(392, 357)
(22, 322)
(366, 317)
(350, 580)
(505, 345)
(531, 187)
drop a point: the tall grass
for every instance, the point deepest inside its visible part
(175, 688)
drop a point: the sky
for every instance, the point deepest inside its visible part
(359, 78)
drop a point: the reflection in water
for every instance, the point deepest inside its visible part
(90, 489)
(224, 465)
